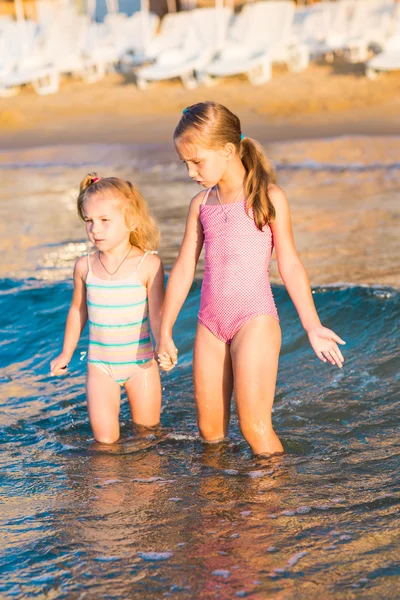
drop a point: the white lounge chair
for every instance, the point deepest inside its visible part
(21, 61)
(45, 80)
(175, 63)
(355, 26)
(260, 35)
(370, 27)
(388, 60)
(203, 35)
(140, 33)
(64, 47)
(211, 26)
(311, 26)
(172, 35)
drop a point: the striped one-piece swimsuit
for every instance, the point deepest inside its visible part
(119, 335)
(236, 286)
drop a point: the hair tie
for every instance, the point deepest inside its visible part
(242, 136)
(185, 110)
(95, 179)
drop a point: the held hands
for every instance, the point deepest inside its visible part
(167, 354)
(325, 342)
(59, 365)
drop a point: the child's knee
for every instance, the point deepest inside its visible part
(261, 438)
(106, 437)
(212, 433)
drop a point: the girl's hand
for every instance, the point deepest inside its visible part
(167, 354)
(59, 365)
(325, 342)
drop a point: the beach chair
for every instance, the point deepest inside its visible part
(356, 26)
(260, 35)
(341, 16)
(211, 26)
(387, 60)
(181, 63)
(140, 33)
(45, 80)
(172, 36)
(21, 60)
(65, 47)
(311, 27)
(370, 28)
(204, 34)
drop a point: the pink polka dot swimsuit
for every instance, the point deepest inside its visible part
(236, 285)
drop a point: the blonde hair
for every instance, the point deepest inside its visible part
(214, 125)
(146, 234)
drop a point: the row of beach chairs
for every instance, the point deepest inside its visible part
(198, 45)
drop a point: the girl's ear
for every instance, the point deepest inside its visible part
(130, 224)
(230, 151)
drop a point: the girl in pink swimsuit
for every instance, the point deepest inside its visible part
(239, 219)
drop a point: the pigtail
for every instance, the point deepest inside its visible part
(89, 180)
(260, 174)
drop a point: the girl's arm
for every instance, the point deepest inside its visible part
(179, 282)
(155, 293)
(76, 319)
(324, 341)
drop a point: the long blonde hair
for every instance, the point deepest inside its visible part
(146, 234)
(214, 125)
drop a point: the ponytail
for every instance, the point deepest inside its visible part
(259, 176)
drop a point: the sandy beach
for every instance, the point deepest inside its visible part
(322, 101)
(331, 116)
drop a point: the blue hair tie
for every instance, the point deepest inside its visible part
(242, 136)
(185, 110)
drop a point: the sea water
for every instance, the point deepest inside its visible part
(161, 514)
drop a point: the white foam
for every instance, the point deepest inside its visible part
(256, 474)
(155, 555)
(222, 573)
(295, 558)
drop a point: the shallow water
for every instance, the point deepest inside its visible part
(161, 514)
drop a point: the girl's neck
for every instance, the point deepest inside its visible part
(233, 179)
(118, 251)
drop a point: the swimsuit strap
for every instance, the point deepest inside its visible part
(88, 262)
(142, 259)
(204, 201)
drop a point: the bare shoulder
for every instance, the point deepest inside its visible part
(277, 196)
(153, 265)
(153, 262)
(197, 200)
(81, 267)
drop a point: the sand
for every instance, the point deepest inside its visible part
(323, 100)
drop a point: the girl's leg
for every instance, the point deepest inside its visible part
(143, 389)
(103, 396)
(213, 384)
(255, 354)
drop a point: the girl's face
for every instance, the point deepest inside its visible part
(105, 222)
(205, 166)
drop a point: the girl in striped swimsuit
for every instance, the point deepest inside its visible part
(239, 218)
(118, 289)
